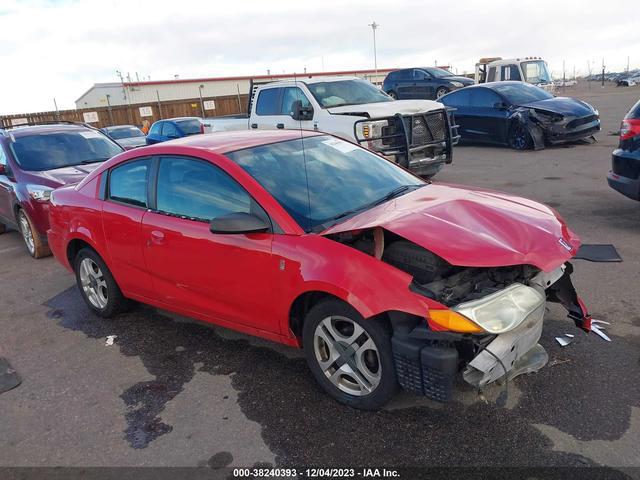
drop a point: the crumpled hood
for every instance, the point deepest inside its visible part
(387, 109)
(473, 227)
(563, 105)
(63, 176)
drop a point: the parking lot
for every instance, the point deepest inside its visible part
(170, 392)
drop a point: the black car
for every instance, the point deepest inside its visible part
(625, 172)
(422, 83)
(520, 115)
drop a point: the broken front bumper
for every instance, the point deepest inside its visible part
(428, 362)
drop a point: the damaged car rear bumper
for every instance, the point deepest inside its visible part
(428, 362)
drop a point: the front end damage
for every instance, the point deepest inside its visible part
(485, 323)
(545, 127)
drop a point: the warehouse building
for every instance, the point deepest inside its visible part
(135, 93)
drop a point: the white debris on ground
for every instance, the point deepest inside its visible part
(110, 340)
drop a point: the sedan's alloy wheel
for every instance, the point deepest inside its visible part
(93, 283)
(347, 355)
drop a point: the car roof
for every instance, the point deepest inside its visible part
(224, 142)
(312, 80)
(26, 130)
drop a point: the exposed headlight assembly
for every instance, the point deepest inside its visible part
(39, 193)
(504, 310)
(373, 130)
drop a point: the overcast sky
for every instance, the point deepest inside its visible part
(59, 48)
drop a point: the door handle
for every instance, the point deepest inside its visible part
(157, 238)
(254, 125)
(280, 125)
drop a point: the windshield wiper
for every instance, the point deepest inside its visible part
(396, 192)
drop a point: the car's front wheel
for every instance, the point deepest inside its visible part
(441, 92)
(349, 356)
(393, 95)
(519, 138)
(35, 246)
(97, 285)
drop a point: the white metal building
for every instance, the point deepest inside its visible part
(105, 94)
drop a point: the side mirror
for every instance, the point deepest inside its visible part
(238, 223)
(3, 169)
(301, 113)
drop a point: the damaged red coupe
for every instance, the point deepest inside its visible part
(383, 278)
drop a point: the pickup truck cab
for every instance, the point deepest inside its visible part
(417, 134)
(532, 70)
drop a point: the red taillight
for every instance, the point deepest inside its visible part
(629, 128)
(202, 128)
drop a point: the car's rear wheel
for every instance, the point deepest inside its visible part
(97, 285)
(35, 246)
(349, 356)
(441, 92)
(519, 138)
(393, 95)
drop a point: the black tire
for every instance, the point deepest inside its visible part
(393, 95)
(441, 91)
(3, 228)
(377, 330)
(115, 301)
(520, 138)
(36, 246)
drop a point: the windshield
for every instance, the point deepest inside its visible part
(346, 92)
(342, 178)
(536, 72)
(438, 72)
(124, 132)
(48, 151)
(190, 126)
(521, 93)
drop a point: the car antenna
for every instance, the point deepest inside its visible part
(304, 155)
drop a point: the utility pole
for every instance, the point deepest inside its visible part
(602, 72)
(200, 87)
(56, 105)
(374, 26)
(564, 77)
(159, 104)
(109, 109)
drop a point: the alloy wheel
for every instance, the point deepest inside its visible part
(441, 92)
(519, 138)
(27, 234)
(93, 283)
(347, 355)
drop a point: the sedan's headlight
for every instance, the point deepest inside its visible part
(39, 193)
(504, 310)
(456, 84)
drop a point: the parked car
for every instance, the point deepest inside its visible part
(127, 136)
(423, 82)
(625, 172)
(34, 160)
(417, 134)
(309, 240)
(172, 128)
(532, 70)
(520, 115)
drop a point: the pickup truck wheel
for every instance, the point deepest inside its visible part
(441, 91)
(97, 285)
(519, 138)
(349, 356)
(393, 95)
(35, 246)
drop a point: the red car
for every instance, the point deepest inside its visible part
(305, 239)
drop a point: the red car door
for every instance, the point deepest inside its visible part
(224, 276)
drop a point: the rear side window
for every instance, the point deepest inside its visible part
(403, 74)
(156, 128)
(268, 102)
(128, 183)
(198, 190)
(459, 98)
(491, 76)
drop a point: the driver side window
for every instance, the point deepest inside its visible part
(290, 95)
(419, 75)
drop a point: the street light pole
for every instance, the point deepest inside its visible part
(201, 101)
(374, 26)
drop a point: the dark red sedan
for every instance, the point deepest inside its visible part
(305, 239)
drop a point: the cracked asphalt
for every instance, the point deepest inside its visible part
(172, 392)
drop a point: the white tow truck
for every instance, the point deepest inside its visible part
(417, 134)
(527, 69)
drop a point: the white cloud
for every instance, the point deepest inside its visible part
(59, 48)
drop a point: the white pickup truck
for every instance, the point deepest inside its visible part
(417, 134)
